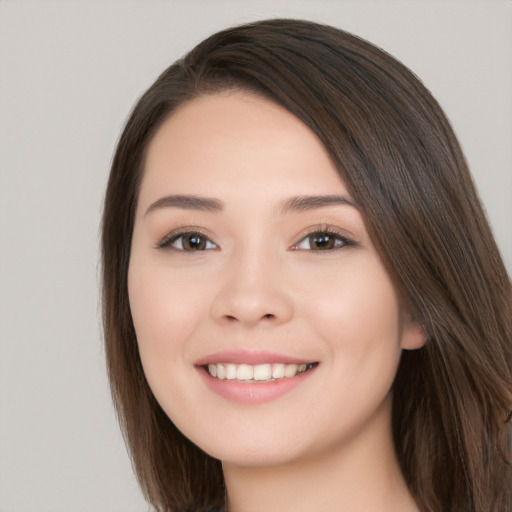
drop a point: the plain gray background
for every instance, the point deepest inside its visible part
(70, 72)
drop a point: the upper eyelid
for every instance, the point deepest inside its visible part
(325, 228)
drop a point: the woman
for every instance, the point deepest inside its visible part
(304, 307)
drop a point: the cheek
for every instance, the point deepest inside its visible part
(165, 312)
(361, 319)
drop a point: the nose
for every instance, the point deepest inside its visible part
(252, 291)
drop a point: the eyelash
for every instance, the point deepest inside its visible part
(168, 241)
(332, 234)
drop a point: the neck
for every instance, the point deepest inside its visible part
(362, 475)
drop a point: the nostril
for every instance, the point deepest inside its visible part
(234, 318)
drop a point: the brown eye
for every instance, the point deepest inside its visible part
(322, 241)
(194, 242)
(189, 242)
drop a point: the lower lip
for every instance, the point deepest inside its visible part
(253, 393)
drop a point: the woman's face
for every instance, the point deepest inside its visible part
(268, 328)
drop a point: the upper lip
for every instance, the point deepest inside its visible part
(252, 357)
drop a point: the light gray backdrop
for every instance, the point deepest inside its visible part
(69, 73)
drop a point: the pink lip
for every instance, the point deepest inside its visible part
(252, 393)
(249, 392)
(249, 357)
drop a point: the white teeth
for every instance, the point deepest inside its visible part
(262, 372)
(278, 371)
(244, 372)
(290, 370)
(256, 373)
(221, 371)
(231, 371)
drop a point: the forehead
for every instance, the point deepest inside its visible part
(237, 141)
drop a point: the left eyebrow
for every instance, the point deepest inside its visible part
(305, 203)
(187, 202)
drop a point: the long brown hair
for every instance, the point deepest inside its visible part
(400, 160)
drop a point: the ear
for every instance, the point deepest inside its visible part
(413, 335)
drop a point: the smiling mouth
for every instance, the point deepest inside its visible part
(268, 372)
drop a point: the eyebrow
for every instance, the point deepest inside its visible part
(209, 204)
(305, 203)
(187, 202)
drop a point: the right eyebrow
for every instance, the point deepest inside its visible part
(187, 202)
(305, 203)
